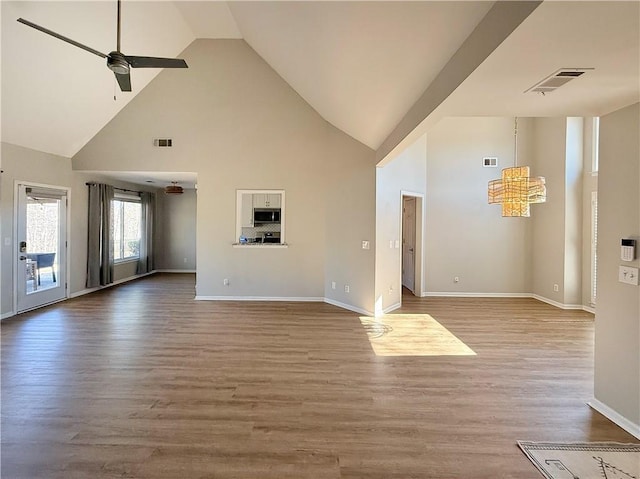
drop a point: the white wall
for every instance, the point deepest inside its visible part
(464, 235)
(617, 343)
(176, 231)
(407, 172)
(237, 124)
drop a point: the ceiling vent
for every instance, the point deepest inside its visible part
(163, 142)
(557, 79)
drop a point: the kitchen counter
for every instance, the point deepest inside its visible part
(260, 245)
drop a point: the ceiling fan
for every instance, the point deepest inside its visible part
(117, 62)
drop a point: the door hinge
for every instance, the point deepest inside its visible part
(66, 286)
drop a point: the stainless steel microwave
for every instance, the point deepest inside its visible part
(266, 216)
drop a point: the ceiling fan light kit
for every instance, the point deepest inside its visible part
(117, 62)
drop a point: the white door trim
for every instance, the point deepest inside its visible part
(16, 192)
(419, 246)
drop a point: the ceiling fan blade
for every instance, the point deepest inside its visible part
(153, 62)
(61, 37)
(124, 80)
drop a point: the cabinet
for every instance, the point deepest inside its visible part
(267, 200)
(247, 210)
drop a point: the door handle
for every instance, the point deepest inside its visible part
(22, 258)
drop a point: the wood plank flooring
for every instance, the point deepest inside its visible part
(140, 381)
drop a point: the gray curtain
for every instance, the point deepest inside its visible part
(148, 203)
(100, 243)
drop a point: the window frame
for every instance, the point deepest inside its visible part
(123, 198)
(595, 145)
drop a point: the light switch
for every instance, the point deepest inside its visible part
(628, 275)
(397, 244)
(365, 245)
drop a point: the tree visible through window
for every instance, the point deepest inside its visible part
(126, 229)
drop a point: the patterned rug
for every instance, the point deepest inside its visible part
(590, 460)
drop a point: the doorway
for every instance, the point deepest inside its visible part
(411, 263)
(41, 252)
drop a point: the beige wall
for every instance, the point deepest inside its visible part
(237, 124)
(176, 231)
(406, 173)
(23, 164)
(548, 219)
(464, 235)
(617, 343)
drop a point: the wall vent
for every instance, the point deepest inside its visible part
(557, 79)
(163, 142)
(490, 162)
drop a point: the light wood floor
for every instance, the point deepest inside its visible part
(140, 381)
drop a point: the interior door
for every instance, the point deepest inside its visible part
(408, 242)
(41, 247)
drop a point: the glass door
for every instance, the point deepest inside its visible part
(41, 247)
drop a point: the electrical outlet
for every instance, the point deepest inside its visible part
(333, 285)
(456, 279)
(346, 288)
(185, 260)
(365, 245)
(226, 282)
(556, 288)
(628, 275)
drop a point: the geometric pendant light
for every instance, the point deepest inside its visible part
(516, 190)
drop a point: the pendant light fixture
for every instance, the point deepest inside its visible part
(173, 189)
(516, 190)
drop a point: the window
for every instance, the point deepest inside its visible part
(594, 245)
(595, 145)
(127, 216)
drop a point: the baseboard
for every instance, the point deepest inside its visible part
(620, 420)
(348, 307)
(7, 315)
(455, 294)
(556, 303)
(450, 294)
(115, 283)
(393, 307)
(174, 270)
(260, 298)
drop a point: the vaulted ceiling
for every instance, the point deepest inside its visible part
(361, 65)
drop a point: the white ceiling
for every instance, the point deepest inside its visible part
(361, 65)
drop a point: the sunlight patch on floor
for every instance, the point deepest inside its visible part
(412, 335)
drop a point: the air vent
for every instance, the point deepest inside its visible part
(557, 79)
(490, 162)
(163, 142)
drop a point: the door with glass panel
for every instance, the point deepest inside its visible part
(41, 247)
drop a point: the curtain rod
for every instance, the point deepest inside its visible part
(115, 187)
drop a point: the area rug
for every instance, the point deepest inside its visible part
(590, 460)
